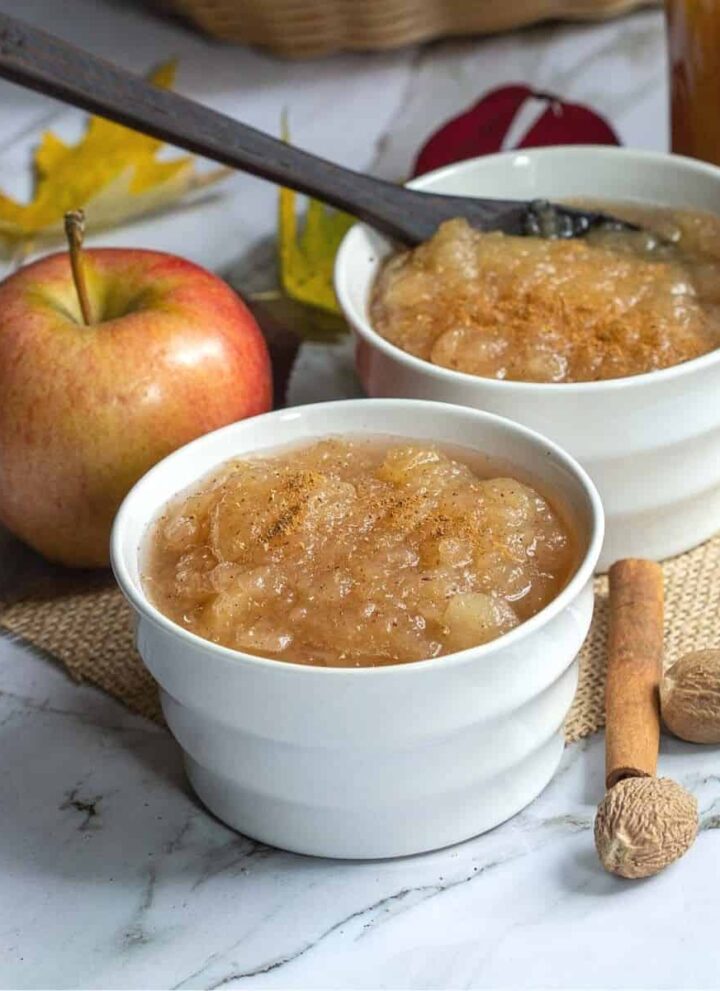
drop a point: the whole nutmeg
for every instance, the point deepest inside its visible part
(644, 824)
(690, 697)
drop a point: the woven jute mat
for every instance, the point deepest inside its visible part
(85, 624)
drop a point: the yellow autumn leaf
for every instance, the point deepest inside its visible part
(307, 257)
(112, 172)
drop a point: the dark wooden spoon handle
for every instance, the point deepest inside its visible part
(55, 68)
(44, 63)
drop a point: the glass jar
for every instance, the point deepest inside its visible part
(694, 51)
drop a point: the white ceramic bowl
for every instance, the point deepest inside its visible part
(371, 762)
(651, 443)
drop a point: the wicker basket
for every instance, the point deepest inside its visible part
(303, 28)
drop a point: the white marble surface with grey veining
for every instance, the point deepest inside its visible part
(113, 876)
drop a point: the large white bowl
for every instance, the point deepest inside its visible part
(651, 442)
(372, 762)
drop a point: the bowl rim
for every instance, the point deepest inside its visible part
(363, 327)
(142, 605)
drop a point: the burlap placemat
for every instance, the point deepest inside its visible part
(89, 630)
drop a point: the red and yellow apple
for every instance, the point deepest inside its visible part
(168, 352)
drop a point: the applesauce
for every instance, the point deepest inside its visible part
(357, 552)
(612, 304)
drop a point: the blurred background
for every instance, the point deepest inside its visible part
(371, 110)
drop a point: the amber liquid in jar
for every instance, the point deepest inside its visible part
(358, 552)
(694, 54)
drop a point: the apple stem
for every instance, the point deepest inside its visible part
(75, 234)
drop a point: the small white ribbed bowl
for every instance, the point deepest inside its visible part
(651, 443)
(369, 762)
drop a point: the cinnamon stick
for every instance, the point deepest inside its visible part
(635, 648)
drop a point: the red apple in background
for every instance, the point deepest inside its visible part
(103, 376)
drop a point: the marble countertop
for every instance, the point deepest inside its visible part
(113, 874)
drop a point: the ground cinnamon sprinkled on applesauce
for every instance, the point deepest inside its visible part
(531, 309)
(357, 552)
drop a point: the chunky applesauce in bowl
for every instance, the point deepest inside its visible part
(359, 551)
(608, 305)
(609, 345)
(364, 618)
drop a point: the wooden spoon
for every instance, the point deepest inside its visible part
(44, 63)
